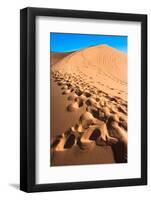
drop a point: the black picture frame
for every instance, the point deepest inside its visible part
(28, 98)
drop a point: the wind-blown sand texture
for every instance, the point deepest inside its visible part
(89, 107)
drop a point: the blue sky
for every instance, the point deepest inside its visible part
(66, 42)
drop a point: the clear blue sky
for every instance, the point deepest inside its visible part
(66, 42)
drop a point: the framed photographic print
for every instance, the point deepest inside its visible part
(83, 99)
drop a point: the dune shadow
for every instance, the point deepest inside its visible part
(70, 141)
(96, 133)
(119, 152)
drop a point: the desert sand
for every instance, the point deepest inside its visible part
(89, 107)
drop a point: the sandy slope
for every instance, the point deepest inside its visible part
(55, 57)
(89, 107)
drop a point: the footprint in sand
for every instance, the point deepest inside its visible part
(102, 102)
(83, 97)
(121, 109)
(58, 144)
(66, 140)
(66, 92)
(72, 97)
(60, 83)
(115, 130)
(77, 103)
(91, 102)
(71, 140)
(84, 142)
(87, 93)
(78, 92)
(56, 141)
(65, 87)
(86, 119)
(97, 98)
(123, 122)
(94, 111)
(78, 128)
(106, 111)
(96, 134)
(73, 106)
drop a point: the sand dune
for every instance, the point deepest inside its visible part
(89, 107)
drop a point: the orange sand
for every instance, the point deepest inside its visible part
(89, 107)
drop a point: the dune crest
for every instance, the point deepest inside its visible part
(101, 59)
